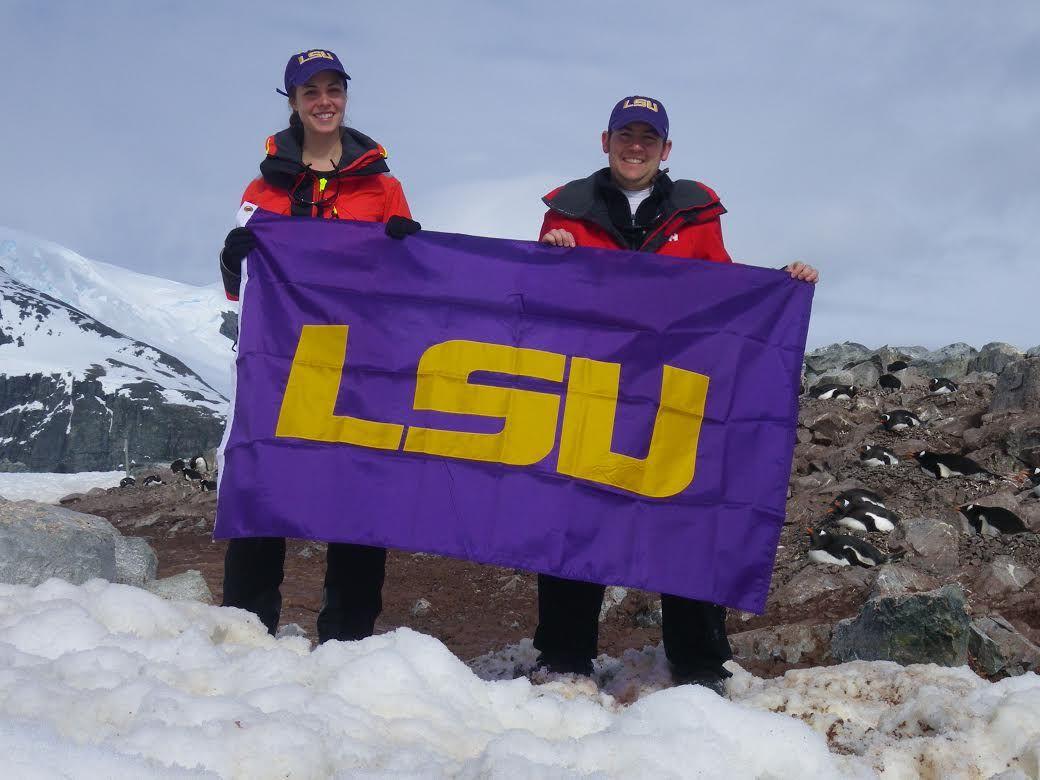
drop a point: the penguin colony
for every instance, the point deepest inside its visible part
(860, 511)
(194, 470)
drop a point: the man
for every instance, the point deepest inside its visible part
(633, 204)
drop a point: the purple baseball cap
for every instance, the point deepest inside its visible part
(303, 65)
(639, 108)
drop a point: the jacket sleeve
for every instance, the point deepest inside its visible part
(395, 205)
(549, 222)
(233, 281)
(711, 240)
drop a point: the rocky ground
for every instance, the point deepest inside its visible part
(474, 608)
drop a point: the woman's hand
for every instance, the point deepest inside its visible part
(803, 272)
(559, 237)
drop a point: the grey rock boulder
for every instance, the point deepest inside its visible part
(187, 586)
(897, 579)
(816, 581)
(951, 361)
(1018, 387)
(995, 357)
(998, 648)
(136, 562)
(40, 541)
(1003, 575)
(835, 356)
(933, 544)
(919, 628)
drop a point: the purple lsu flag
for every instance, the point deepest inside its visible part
(610, 416)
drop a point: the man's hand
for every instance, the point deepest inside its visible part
(398, 227)
(803, 272)
(559, 237)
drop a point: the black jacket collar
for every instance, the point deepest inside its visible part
(283, 167)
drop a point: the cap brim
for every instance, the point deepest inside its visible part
(306, 73)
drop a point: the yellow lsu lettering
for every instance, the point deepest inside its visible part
(443, 384)
(640, 103)
(313, 55)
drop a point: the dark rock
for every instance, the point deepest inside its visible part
(229, 325)
(995, 357)
(896, 579)
(1003, 575)
(1018, 387)
(933, 544)
(815, 581)
(920, 628)
(996, 646)
(951, 361)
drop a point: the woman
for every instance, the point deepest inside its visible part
(316, 167)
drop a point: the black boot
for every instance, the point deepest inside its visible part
(253, 571)
(353, 595)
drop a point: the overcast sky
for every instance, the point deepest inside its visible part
(893, 145)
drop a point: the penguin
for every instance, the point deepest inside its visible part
(877, 456)
(1035, 479)
(942, 386)
(127, 482)
(177, 466)
(831, 392)
(199, 464)
(897, 365)
(889, 382)
(943, 465)
(152, 479)
(866, 518)
(899, 420)
(191, 474)
(857, 497)
(208, 485)
(842, 550)
(993, 520)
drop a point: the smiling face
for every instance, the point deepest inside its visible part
(635, 153)
(321, 102)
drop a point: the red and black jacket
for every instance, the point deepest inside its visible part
(360, 187)
(678, 218)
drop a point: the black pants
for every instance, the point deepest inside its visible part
(352, 598)
(694, 632)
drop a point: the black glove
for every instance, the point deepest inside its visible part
(239, 243)
(398, 227)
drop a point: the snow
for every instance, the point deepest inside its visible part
(104, 680)
(47, 488)
(179, 319)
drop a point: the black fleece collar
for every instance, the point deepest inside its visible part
(284, 166)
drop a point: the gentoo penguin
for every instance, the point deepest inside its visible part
(943, 465)
(127, 482)
(889, 382)
(208, 485)
(866, 518)
(152, 479)
(899, 420)
(1035, 479)
(941, 386)
(897, 365)
(842, 550)
(191, 474)
(857, 497)
(177, 465)
(993, 520)
(877, 456)
(199, 464)
(828, 391)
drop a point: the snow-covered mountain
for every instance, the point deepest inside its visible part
(73, 385)
(193, 324)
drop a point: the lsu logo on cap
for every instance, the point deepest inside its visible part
(317, 54)
(640, 103)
